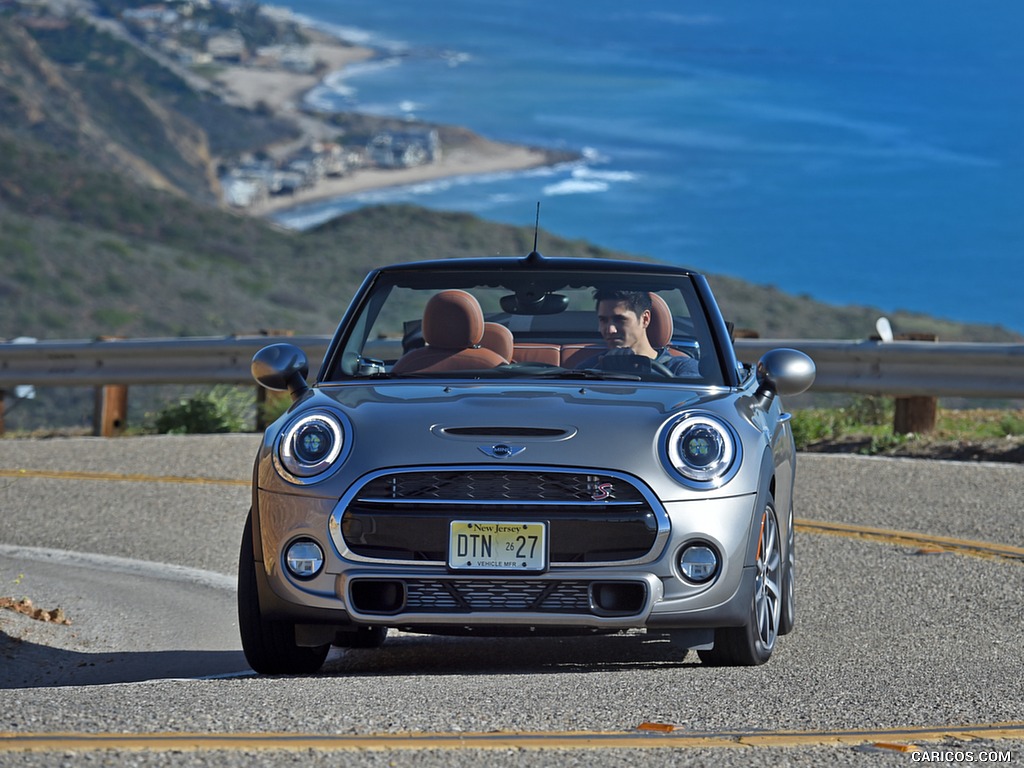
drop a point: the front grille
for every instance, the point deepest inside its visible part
(405, 516)
(499, 486)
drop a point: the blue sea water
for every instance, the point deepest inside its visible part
(856, 151)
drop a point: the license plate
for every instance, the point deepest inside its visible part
(476, 545)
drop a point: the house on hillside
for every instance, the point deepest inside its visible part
(404, 149)
(227, 46)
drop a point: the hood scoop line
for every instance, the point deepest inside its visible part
(497, 433)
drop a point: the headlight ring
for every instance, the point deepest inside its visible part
(310, 446)
(703, 450)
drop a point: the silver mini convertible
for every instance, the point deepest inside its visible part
(523, 445)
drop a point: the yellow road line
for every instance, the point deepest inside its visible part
(919, 540)
(677, 738)
(119, 477)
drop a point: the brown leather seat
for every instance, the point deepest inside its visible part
(499, 339)
(453, 326)
(575, 355)
(537, 352)
(659, 332)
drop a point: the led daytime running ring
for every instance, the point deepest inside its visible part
(315, 428)
(703, 450)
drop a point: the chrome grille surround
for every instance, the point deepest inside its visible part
(496, 496)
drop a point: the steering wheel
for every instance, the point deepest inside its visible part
(611, 362)
(661, 369)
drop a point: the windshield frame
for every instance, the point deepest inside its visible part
(702, 322)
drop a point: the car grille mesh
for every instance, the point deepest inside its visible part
(510, 486)
(405, 515)
(444, 595)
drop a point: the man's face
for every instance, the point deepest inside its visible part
(619, 325)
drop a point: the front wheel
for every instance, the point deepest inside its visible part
(788, 613)
(269, 646)
(753, 643)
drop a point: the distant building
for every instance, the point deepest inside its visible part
(243, 192)
(226, 46)
(298, 59)
(404, 149)
(150, 15)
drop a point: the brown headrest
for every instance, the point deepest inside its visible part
(499, 339)
(659, 332)
(453, 320)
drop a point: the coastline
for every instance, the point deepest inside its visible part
(455, 163)
(282, 91)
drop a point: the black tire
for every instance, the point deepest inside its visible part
(269, 646)
(787, 620)
(753, 643)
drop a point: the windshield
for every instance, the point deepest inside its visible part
(515, 324)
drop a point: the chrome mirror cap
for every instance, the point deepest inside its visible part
(785, 372)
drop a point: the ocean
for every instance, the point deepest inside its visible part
(865, 153)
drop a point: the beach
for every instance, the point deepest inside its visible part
(488, 157)
(281, 90)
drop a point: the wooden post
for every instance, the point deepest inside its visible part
(111, 412)
(916, 414)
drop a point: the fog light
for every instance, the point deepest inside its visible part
(304, 558)
(698, 563)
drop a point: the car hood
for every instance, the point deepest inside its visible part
(608, 426)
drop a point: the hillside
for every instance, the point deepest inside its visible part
(70, 85)
(110, 226)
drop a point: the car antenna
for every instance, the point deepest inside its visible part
(536, 231)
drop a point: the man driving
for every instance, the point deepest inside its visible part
(623, 318)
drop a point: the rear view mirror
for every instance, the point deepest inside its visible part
(530, 303)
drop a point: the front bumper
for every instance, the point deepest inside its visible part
(647, 594)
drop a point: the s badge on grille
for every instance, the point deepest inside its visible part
(502, 450)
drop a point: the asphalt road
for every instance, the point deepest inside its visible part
(137, 540)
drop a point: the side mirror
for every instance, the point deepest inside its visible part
(784, 372)
(281, 367)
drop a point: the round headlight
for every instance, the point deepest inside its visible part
(702, 449)
(311, 444)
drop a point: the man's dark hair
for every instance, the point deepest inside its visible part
(637, 301)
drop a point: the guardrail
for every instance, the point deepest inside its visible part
(896, 368)
(899, 368)
(907, 368)
(220, 360)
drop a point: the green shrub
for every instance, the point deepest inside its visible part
(271, 409)
(816, 424)
(884, 443)
(870, 410)
(1012, 424)
(222, 409)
